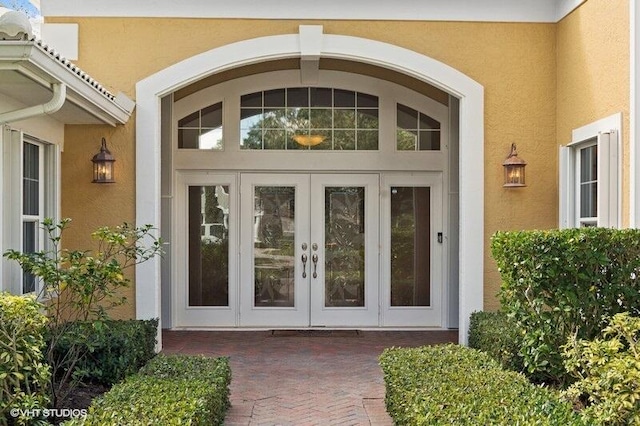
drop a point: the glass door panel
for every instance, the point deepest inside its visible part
(273, 245)
(344, 224)
(344, 229)
(413, 241)
(410, 246)
(208, 245)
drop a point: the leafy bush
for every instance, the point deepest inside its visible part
(560, 282)
(113, 349)
(88, 281)
(170, 390)
(495, 333)
(24, 376)
(82, 285)
(608, 370)
(449, 384)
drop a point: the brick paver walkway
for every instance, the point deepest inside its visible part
(291, 378)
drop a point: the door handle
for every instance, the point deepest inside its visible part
(304, 265)
(314, 259)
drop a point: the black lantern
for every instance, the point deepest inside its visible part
(514, 169)
(103, 165)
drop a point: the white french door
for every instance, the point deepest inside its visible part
(309, 250)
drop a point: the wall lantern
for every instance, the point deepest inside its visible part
(514, 169)
(103, 165)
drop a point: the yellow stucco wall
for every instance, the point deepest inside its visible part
(593, 73)
(516, 64)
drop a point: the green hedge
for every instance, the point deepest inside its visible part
(496, 334)
(24, 375)
(608, 372)
(450, 384)
(112, 349)
(560, 282)
(169, 390)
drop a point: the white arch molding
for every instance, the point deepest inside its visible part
(471, 156)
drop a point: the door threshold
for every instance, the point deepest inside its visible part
(315, 332)
(272, 329)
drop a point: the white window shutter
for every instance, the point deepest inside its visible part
(567, 191)
(608, 178)
(11, 206)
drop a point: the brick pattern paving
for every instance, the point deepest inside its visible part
(303, 379)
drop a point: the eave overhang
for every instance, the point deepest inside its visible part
(29, 70)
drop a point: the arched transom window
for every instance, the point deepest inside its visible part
(381, 121)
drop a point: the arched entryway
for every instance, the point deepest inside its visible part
(309, 46)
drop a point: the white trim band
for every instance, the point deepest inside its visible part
(385, 10)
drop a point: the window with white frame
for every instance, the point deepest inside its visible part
(30, 181)
(590, 177)
(33, 180)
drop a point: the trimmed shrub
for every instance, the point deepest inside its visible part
(496, 334)
(24, 376)
(560, 282)
(608, 369)
(211, 370)
(450, 384)
(169, 390)
(111, 349)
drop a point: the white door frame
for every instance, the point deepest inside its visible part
(150, 91)
(195, 316)
(427, 316)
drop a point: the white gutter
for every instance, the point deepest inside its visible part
(53, 105)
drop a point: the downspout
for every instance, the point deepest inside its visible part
(54, 104)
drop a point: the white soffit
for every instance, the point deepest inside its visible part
(404, 10)
(29, 69)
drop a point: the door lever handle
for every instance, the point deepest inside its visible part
(314, 259)
(304, 265)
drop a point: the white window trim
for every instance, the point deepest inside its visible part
(607, 133)
(12, 185)
(38, 218)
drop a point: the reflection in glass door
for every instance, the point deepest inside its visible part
(273, 245)
(410, 246)
(344, 246)
(208, 245)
